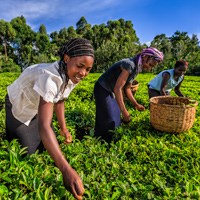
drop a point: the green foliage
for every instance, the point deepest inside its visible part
(140, 163)
(23, 42)
(178, 46)
(8, 66)
(112, 41)
(7, 34)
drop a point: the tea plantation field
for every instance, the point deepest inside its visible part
(141, 163)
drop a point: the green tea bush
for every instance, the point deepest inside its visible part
(140, 163)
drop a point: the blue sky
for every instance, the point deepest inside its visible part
(149, 17)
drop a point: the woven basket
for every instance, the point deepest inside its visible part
(134, 88)
(172, 114)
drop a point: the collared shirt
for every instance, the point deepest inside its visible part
(37, 80)
(171, 83)
(108, 79)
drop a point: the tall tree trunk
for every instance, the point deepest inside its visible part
(5, 49)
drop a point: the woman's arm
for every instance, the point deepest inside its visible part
(71, 179)
(164, 82)
(60, 114)
(178, 91)
(121, 81)
(129, 94)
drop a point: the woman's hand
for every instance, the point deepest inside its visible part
(126, 118)
(67, 135)
(139, 107)
(73, 183)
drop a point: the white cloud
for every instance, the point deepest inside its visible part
(32, 9)
(58, 13)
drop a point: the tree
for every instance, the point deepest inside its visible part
(113, 41)
(23, 42)
(7, 34)
(41, 50)
(42, 29)
(71, 32)
(80, 25)
(180, 41)
(163, 43)
(42, 40)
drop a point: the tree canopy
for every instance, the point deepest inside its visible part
(117, 39)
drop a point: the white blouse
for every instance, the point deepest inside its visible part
(37, 80)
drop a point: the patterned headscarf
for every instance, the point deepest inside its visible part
(153, 52)
(73, 48)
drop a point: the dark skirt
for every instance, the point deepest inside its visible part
(28, 136)
(155, 93)
(107, 113)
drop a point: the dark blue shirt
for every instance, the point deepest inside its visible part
(108, 79)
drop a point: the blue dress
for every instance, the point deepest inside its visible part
(107, 108)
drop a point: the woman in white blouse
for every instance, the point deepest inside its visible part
(37, 93)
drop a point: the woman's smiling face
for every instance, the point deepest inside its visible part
(149, 63)
(181, 70)
(78, 67)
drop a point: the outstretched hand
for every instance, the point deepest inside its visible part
(139, 107)
(126, 118)
(67, 135)
(73, 183)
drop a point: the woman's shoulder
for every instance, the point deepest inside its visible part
(45, 72)
(128, 62)
(53, 67)
(167, 71)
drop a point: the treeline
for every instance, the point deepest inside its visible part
(117, 39)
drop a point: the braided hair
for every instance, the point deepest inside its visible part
(73, 48)
(76, 47)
